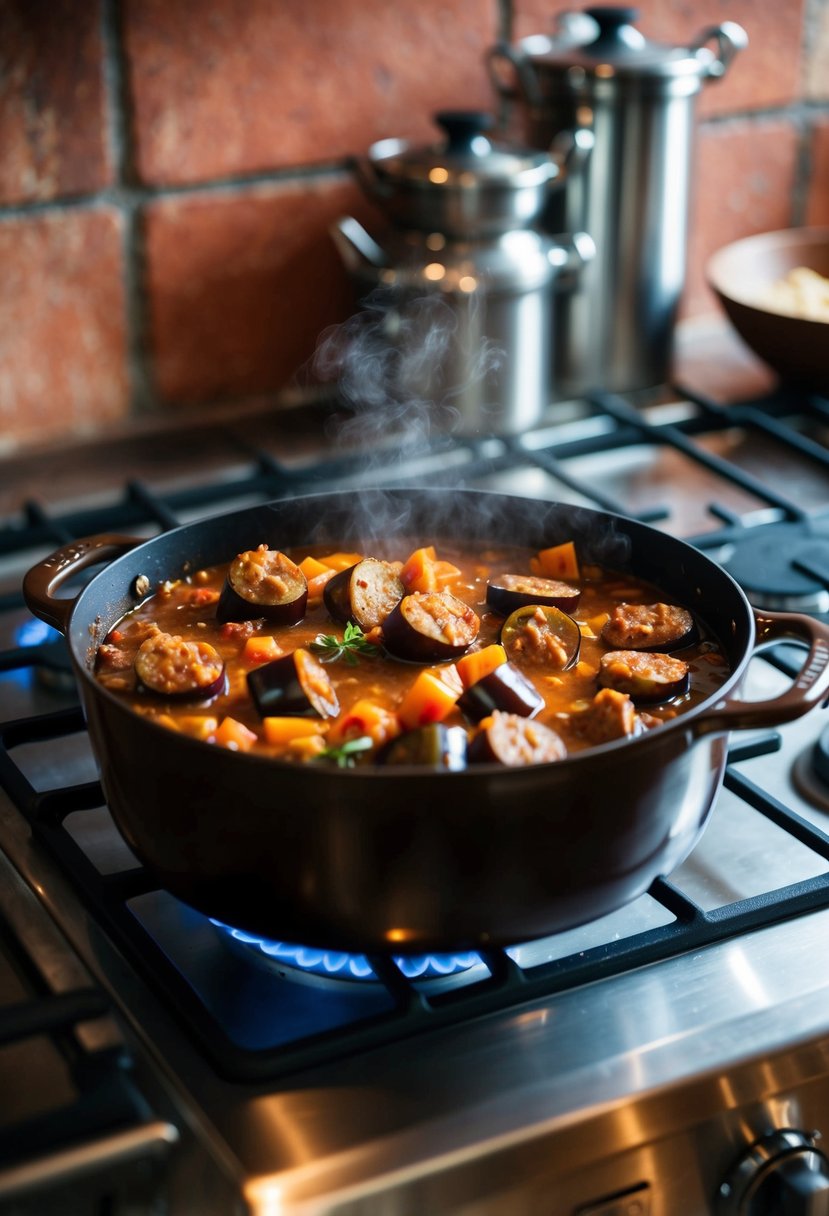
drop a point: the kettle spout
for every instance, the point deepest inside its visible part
(356, 248)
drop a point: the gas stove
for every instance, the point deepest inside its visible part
(672, 1057)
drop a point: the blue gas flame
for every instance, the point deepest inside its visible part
(339, 964)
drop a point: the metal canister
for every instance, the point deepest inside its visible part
(598, 72)
(459, 286)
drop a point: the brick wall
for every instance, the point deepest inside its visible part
(170, 169)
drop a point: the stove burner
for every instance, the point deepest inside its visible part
(339, 965)
(783, 566)
(820, 758)
(49, 653)
(811, 772)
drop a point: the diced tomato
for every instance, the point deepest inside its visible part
(365, 717)
(261, 650)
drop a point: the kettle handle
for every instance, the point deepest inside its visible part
(729, 38)
(570, 149)
(520, 79)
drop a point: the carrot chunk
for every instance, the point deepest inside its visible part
(281, 731)
(474, 666)
(312, 566)
(427, 700)
(317, 574)
(424, 571)
(340, 561)
(235, 735)
(560, 561)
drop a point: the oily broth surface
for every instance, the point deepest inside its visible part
(176, 609)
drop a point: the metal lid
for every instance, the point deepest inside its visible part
(603, 43)
(465, 156)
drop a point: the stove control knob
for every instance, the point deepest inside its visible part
(783, 1174)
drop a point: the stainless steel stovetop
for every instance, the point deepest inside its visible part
(149, 1063)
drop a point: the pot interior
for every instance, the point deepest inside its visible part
(375, 519)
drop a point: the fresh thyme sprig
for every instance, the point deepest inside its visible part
(352, 644)
(344, 754)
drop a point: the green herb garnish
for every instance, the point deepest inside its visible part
(352, 644)
(344, 755)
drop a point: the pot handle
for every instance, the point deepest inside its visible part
(810, 686)
(729, 37)
(46, 578)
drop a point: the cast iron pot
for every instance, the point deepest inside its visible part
(405, 859)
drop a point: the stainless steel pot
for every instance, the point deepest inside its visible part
(460, 328)
(459, 290)
(464, 184)
(637, 98)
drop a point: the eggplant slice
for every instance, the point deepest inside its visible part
(540, 636)
(169, 666)
(430, 627)
(505, 688)
(435, 746)
(365, 593)
(265, 583)
(515, 741)
(511, 591)
(295, 685)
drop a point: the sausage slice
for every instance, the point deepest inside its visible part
(647, 678)
(649, 627)
(515, 741)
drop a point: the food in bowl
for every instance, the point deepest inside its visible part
(742, 274)
(443, 656)
(801, 293)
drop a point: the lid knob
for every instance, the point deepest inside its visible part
(616, 29)
(465, 131)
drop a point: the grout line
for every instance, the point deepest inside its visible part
(143, 397)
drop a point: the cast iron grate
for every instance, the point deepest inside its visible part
(409, 1008)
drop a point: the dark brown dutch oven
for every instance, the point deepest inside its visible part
(407, 859)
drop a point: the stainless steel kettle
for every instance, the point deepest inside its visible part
(637, 98)
(459, 288)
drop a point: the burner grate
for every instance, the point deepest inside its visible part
(174, 948)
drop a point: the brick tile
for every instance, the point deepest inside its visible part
(51, 100)
(62, 333)
(227, 87)
(766, 73)
(817, 202)
(743, 184)
(241, 286)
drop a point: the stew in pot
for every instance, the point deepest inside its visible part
(438, 655)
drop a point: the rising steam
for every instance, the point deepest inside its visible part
(410, 367)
